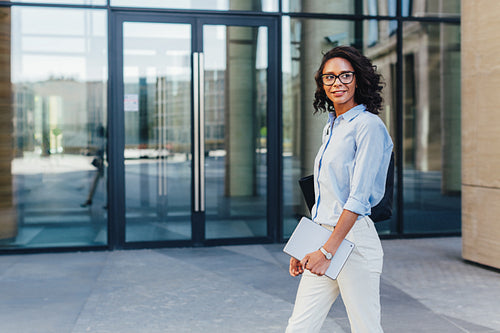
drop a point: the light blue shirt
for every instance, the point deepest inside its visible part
(350, 168)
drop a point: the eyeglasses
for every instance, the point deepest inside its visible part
(345, 78)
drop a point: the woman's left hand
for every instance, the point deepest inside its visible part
(316, 262)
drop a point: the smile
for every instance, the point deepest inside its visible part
(339, 92)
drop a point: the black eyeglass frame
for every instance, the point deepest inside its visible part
(337, 77)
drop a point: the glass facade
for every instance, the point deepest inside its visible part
(301, 58)
(235, 131)
(157, 104)
(304, 40)
(318, 6)
(431, 127)
(184, 145)
(63, 2)
(416, 8)
(426, 8)
(428, 175)
(59, 87)
(250, 5)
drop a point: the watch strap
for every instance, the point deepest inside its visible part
(327, 254)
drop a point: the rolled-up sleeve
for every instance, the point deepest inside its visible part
(367, 183)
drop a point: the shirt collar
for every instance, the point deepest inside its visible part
(331, 117)
(353, 113)
(349, 115)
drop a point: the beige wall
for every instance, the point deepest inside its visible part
(480, 131)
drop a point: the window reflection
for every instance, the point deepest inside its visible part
(375, 7)
(67, 2)
(157, 119)
(59, 87)
(430, 8)
(304, 41)
(235, 164)
(431, 169)
(320, 6)
(382, 52)
(431, 128)
(252, 5)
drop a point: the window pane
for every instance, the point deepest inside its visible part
(380, 7)
(302, 51)
(424, 8)
(431, 128)
(59, 76)
(379, 44)
(304, 41)
(157, 115)
(247, 5)
(320, 6)
(375, 7)
(367, 7)
(66, 2)
(235, 102)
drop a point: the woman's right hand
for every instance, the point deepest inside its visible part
(295, 267)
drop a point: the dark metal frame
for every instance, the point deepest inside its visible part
(358, 18)
(116, 171)
(273, 20)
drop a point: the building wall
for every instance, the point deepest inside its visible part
(480, 134)
(8, 227)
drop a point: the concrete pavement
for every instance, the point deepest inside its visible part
(426, 287)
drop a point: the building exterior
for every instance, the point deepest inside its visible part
(129, 124)
(481, 155)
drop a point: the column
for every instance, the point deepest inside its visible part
(313, 43)
(480, 134)
(8, 216)
(240, 116)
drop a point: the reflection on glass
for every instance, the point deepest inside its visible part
(382, 51)
(302, 52)
(247, 5)
(431, 8)
(157, 106)
(321, 6)
(375, 7)
(303, 43)
(431, 142)
(59, 71)
(380, 7)
(235, 131)
(67, 2)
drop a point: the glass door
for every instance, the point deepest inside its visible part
(194, 144)
(157, 83)
(235, 117)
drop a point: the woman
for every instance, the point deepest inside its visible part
(349, 178)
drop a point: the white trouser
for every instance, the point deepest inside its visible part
(358, 282)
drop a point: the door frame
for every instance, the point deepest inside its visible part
(116, 140)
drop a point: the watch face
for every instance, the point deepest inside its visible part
(328, 255)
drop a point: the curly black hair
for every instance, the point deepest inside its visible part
(368, 81)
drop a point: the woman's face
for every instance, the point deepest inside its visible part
(341, 94)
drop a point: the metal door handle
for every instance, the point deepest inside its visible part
(196, 151)
(199, 132)
(201, 76)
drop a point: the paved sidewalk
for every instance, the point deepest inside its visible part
(426, 287)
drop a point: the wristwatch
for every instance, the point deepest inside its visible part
(327, 254)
